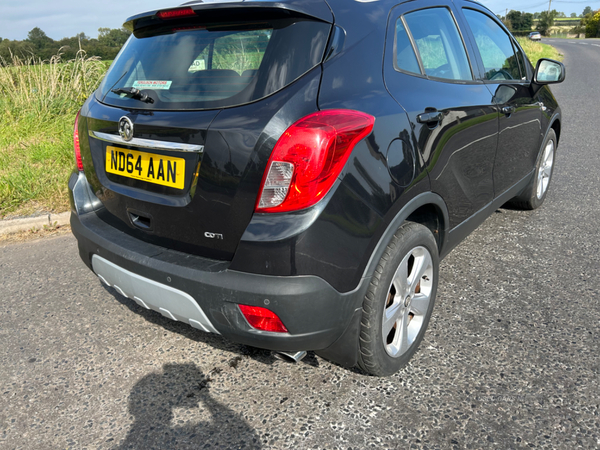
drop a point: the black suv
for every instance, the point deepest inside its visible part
(289, 173)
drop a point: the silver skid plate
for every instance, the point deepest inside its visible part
(170, 302)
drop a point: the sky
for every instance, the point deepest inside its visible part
(66, 18)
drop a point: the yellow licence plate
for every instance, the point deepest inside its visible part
(157, 169)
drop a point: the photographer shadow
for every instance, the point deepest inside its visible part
(174, 409)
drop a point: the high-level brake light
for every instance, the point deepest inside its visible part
(175, 13)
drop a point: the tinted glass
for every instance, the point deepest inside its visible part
(205, 67)
(439, 44)
(495, 47)
(404, 56)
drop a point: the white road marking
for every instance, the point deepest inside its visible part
(595, 45)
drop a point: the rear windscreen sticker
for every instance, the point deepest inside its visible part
(152, 84)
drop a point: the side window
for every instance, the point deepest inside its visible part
(404, 55)
(495, 47)
(439, 44)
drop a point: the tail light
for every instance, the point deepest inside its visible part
(308, 158)
(76, 144)
(263, 319)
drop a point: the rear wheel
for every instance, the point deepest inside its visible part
(534, 194)
(399, 302)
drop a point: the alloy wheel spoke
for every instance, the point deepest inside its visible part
(419, 304)
(422, 263)
(547, 171)
(403, 334)
(401, 278)
(392, 314)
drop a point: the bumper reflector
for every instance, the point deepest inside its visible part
(263, 319)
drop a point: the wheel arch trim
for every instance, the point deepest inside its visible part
(424, 199)
(557, 117)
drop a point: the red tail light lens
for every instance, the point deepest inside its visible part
(176, 13)
(262, 319)
(308, 158)
(76, 145)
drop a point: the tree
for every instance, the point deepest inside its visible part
(573, 15)
(43, 46)
(586, 11)
(546, 21)
(527, 22)
(518, 21)
(592, 26)
(38, 38)
(562, 15)
(115, 37)
(514, 18)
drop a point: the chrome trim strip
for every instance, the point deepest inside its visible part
(147, 143)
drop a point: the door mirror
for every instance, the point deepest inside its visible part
(549, 71)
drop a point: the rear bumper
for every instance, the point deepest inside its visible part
(316, 315)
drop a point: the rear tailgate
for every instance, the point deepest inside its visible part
(188, 174)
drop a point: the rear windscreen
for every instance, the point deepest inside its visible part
(206, 66)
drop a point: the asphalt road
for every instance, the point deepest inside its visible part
(511, 359)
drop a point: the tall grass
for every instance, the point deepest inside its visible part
(38, 103)
(28, 84)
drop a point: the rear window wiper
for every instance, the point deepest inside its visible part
(133, 93)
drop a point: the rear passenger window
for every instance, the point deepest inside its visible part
(404, 56)
(439, 44)
(495, 47)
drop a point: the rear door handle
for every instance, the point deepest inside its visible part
(429, 117)
(508, 110)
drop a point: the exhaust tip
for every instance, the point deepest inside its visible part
(293, 357)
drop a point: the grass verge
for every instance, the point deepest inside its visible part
(536, 50)
(38, 103)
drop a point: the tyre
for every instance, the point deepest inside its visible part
(534, 194)
(399, 301)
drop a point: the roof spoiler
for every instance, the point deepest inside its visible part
(316, 9)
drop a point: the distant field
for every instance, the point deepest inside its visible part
(566, 21)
